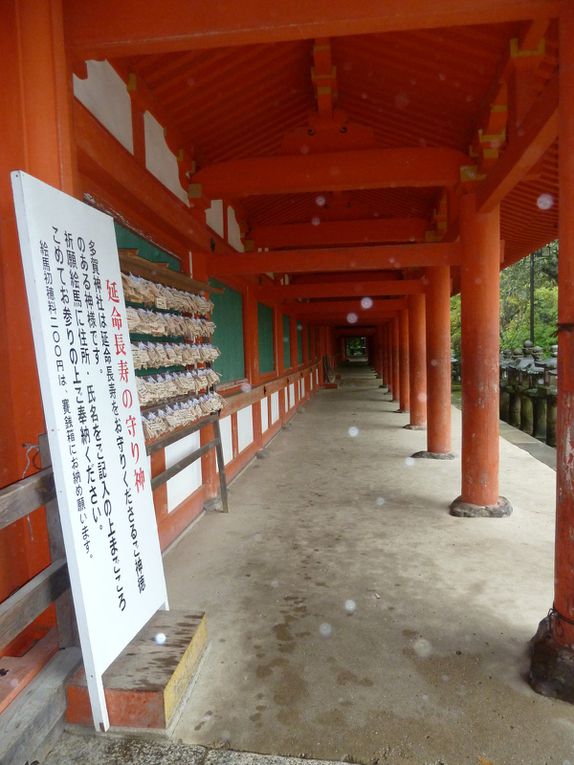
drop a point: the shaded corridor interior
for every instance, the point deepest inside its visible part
(350, 616)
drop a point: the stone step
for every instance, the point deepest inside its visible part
(146, 685)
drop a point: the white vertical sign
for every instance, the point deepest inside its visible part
(97, 446)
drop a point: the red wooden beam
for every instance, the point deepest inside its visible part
(343, 307)
(340, 232)
(108, 28)
(351, 259)
(331, 171)
(348, 289)
(538, 132)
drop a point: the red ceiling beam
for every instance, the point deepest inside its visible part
(348, 289)
(344, 307)
(351, 259)
(538, 132)
(340, 232)
(108, 28)
(331, 171)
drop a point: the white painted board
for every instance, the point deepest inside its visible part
(274, 407)
(264, 404)
(97, 446)
(244, 428)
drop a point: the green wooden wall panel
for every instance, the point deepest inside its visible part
(228, 336)
(127, 239)
(286, 342)
(265, 337)
(299, 343)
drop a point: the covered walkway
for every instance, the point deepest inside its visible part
(351, 616)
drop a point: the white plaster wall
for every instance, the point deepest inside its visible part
(189, 479)
(244, 427)
(105, 95)
(159, 159)
(214, 216)
(291, 395)
(233, 232)
(274, 407)
(226, 442)
(264, 414)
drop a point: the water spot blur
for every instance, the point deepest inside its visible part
(422, 397)
(326, 630)
(366, 303)
(350, 606)
(409, 462)
(353, 431)
(304, 149)
(315, 220)
(245, 387)
(380, 501)
(422, 648)
(274, 583)
(545, 201)
(352, 318)
(160, 638)
(434, 363)
(320, 201)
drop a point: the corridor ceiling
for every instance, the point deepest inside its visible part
(330, 124)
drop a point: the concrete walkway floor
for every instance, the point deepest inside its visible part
(351, 617)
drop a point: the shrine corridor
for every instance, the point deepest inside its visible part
(350, 616)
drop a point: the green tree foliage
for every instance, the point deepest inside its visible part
(515, 302)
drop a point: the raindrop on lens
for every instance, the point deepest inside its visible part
(434, 363)
(325, 629)
(380, 501)
(353, 431)
(422, 397)
(350, 606)
(245, 387)
(409, 462)
(545, 201)
(160, 638)
(320, 201)
(422, 648)
(274, 583)
(352, 318)
(366, 303)
(315, 221)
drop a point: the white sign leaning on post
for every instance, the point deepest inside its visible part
(88, 385)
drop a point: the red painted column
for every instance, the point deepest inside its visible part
(385, 350)
(35, 136)
(417, 363)
(438, 364)
(552, 665)
(389, 346)
(480, 239)
(395, 342)
(404, 395)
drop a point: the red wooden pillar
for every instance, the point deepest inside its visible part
(552, 665)
(385, 344)
(395, 342)
(438, 364)
(379, 335)
(417, 363)
(480, 238)
(404, 395)
(35, 136)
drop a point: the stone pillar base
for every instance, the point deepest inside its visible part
(414, 427)
(434, 455)
(384, 386)
(461, 509)
(551, 664)
(401, 411)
